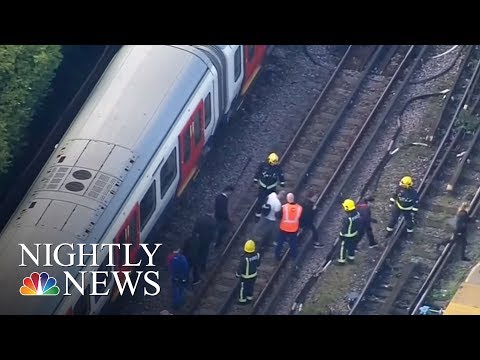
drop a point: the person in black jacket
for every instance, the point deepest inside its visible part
(191, 250)
(306, 221)
(204, 232)
(460, 234)
(222, 214)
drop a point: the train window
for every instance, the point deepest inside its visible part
(168, 172)
(100, 277)
(197, 127)
(208, 110)
(187, 139)
(82, 307)
(251, 51)
(237, 64)
(148, 204)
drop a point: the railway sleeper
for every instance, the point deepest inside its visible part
(400, 283)
(324, 118)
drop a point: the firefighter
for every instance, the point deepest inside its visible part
(247, 272)
(351, 226)
(460, 234)
(269, 174)
(290, 217)
(363, 208)
(405, 203)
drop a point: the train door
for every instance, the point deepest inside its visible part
(129, 234)
(210, 105)
(253, 57)
(191, 141)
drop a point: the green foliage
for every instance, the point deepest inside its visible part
(26, 72)
(468, 121)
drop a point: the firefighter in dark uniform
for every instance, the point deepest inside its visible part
(460, 234)
(247, 272)
(351, 225)
(363, 208)
(268, 176)
(405, 203)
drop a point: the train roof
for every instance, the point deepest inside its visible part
(109, 144)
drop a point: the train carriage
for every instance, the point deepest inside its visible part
(134, 146)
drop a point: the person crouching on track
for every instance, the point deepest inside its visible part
(290, 218)
(349, 233)
(179, 271)
(266, 230)
(269, 174)
(460, 234)
(247, 272)
(405, 203)
(363, 208)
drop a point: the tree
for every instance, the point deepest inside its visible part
(26, 72)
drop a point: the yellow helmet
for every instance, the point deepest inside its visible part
(272, 159)
(406, 182)
(348, 205)
(249, 246)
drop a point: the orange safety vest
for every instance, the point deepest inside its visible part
(290, 217)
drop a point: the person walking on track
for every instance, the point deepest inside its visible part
(179, 271)
(247, 272)
(363, 208)
(290, 218)
(404, 203)
(349, 232)
(266, 230)
(222, 214)
(461, 226)
(268, 176)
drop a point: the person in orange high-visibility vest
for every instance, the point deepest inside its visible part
(290, 217)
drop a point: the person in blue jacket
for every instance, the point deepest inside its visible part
(179, 271)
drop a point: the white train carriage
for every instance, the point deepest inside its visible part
(135, 144)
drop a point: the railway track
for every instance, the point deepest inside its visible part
(421, 296)
(406, 270)
(347, 112)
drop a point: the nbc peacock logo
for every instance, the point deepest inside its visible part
(39, 284)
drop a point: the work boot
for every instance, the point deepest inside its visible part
(318, 245)
(373, 245)
(464, 258)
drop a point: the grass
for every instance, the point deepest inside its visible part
(456, 271)
(334, 285)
